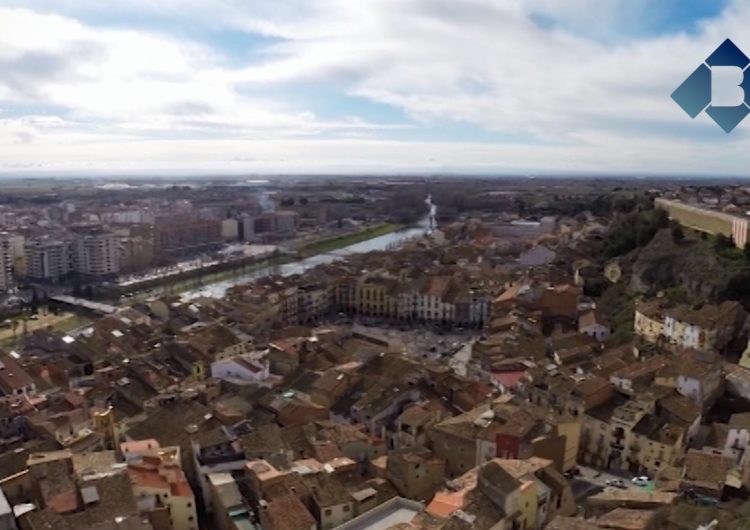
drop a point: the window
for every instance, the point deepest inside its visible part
(328, 512)
(346, 508)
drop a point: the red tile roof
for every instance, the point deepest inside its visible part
(12, 376)
(164, 477)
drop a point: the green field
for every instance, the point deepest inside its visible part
(60, 323)
(335, 243)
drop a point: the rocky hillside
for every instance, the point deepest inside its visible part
(692, 264)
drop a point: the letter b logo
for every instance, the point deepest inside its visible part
(719, 86)
(726, 86)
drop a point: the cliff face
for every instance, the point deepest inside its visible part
(692, 264)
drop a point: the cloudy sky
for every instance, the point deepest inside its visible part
(264, 86)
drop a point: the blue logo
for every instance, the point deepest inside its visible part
(720, 86)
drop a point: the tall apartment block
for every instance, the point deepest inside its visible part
(94, 253)
(47, 259)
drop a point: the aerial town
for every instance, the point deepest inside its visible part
(374, 353)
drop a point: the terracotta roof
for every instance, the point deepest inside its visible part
(509, 294)
(571, 523)
(708, 316)
(286, 513)
(705, 470)
(561, 301)
(444, 504)
(626, 519)
(139, 446)
(163, 477)
(115, 500)
(64, 502)
(680, 408)
(416, 415)
(590, 318)
(740, 421)
(12, 376)
(697, 365)
(496, 475)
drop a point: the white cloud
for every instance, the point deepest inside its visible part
(134, 80)
(579, 101)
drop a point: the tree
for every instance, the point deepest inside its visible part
(520, 207)
(742, 518)
(738, 287)
(678, 235)
(722, 242)
(595, 287)
(746, 251)
(34, 301)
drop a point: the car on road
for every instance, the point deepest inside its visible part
(616, 483)
(640, 481)
(703, 500)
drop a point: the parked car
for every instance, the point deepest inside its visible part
(616, 483)
(640, 481)
(702, 500)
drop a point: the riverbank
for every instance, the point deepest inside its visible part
(336, 243)
(62, 323)
(198, 283)
(184, 285)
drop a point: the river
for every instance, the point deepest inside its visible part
(384, 242)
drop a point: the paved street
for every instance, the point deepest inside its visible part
(420, 341)
(591, 481)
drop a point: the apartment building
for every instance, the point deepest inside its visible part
(709, 328)
(627, 435)
(48, 259)
(313, 301)
(472, 306)
(426, 299)
(6, 265)
(184, 234)
(375, 297)
(95, 253)
(90, 252)
(286, 221)
(649, 320)
(159, 482)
